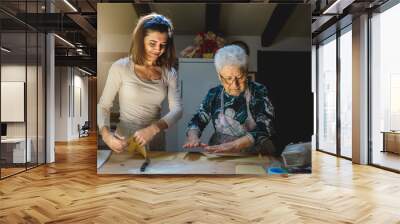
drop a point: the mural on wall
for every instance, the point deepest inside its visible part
(199, 114)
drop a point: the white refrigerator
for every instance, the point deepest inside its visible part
(196, 77)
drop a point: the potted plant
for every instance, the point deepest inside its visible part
(204, 46)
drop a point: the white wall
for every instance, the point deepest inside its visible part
(61, 103)
(33, 126)
(79, 117)
(50, 96)
(113, 37)
(314, 90)
(17, 73)
(84, 84)
(68, 83)
(14, 73)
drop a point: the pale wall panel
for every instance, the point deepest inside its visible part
(115, 23)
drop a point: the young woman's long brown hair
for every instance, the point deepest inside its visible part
(153, 22)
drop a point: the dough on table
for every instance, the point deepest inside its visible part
(250, 169)
(134, 146)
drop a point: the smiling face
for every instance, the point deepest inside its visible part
(155, 44)
(233, 80)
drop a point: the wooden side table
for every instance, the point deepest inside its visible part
(391, 141)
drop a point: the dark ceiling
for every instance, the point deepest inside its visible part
(76, 22)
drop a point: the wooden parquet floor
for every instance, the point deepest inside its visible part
(70, 191)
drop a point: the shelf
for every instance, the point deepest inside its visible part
(196, 60)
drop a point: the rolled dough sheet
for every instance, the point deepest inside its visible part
(220, 155)
(182, 163)
(162, 156)
(250, 169)
(102, 156)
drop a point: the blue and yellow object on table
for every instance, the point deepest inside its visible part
(276, 170)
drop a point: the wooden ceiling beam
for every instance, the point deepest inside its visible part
(213, 12)
(276, 23)
(142, 9)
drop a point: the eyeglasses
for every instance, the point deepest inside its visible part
(230, 80)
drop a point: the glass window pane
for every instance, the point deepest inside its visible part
(41, 98)
(13, 84)
(31, 96)
(327, 96)
(22, 81)
(385, 83)
(346, 94)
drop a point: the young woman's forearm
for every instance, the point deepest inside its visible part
(160, 125)
(105, 132)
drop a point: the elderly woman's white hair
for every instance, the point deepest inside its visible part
(232, 55)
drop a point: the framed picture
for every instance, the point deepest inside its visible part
(251, 76)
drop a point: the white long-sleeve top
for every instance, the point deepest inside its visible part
(140, 101)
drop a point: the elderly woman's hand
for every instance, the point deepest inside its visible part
(229, 147)
(193, 140)
(235, 146)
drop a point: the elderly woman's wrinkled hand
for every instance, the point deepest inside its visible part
(229, 147)
(193, 141)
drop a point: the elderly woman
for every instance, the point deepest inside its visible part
(240, 110)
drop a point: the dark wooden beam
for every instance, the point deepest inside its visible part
(82, 61)
(201, 1)
(275, 24)
(213, 11)
(91, 5)
(84, 24)
(48, 22)
(142, 9)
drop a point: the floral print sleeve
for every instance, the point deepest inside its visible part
(263, 113)
(203, 115)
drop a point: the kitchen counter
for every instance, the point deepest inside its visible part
(162, 162)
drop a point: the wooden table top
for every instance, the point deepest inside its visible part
(162, 162)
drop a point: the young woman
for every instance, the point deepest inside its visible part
(143, 80)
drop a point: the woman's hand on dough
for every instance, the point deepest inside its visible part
(116, 143)
(145, 135)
